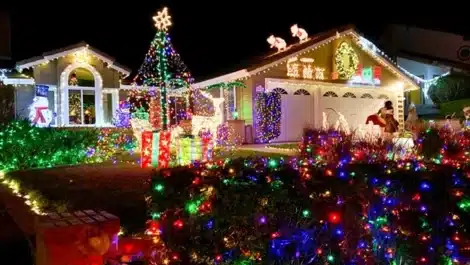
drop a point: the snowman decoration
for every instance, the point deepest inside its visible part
(299, 33)
(277, 42)
(39, 113)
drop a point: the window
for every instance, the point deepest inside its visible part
(349, 95)
(383, 97)
(280, 91)
(301, 92)
(230, 103)
(81, 106)
(81, 97)
(330, 94)
(367, 95)
(108, 108)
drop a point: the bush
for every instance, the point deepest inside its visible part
(24, 146)
(260, 212)
(450, 88)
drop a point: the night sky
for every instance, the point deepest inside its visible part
(211, 38)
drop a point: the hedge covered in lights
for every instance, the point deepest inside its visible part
(260, 211)
(24, 146)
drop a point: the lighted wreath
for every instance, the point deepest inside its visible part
(346, 60)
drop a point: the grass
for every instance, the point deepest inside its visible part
(456, 107)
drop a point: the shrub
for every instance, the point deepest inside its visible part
(258, 212)
(24, 146)
(450, 88)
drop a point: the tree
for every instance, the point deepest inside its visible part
(163, 67)
(450, 88)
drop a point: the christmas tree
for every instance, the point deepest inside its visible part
(163, 67)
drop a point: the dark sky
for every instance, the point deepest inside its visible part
(210, 37)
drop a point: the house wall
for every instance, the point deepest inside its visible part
(425, 71)
(50, 73)
(24, 96)
(323, 57)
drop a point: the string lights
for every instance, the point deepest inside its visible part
(340, 202)
(268, 116)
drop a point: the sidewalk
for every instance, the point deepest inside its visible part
(263, 148)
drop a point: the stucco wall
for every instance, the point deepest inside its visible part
(50, 73)
(24, 96)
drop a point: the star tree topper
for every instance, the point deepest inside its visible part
(162, 20)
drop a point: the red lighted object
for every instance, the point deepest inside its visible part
(334, 218)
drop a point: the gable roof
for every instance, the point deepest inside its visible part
(313, 43)
(47, 56)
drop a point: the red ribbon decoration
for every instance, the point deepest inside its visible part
(39, 115)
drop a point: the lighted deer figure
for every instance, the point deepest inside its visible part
(299, 33)
(277, 42)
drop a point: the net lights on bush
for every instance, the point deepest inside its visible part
(268, 213)
(268, 116)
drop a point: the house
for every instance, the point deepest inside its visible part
(82, 85)
(427, 54)
(335, 72)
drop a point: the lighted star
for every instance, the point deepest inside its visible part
(162, 19)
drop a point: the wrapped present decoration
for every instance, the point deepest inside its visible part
(207, 147)
(155, 151)
(81, 237)
(189, 149)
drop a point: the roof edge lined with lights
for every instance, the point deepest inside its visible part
(52, 55)
(314, 42)
(223, 78)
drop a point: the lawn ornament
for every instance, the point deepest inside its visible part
(299, 33)
(277, 42)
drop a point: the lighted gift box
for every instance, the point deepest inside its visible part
(189, 148)
(155, 150)
(78, 238)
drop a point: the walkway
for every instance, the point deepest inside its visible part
(265, 149)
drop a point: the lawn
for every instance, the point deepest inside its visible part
(117, 188)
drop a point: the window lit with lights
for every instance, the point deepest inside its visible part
(230, 102)
(81, 97)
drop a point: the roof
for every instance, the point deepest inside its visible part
(47, 56)
(429, 59)
(313, 42)
(12, 77)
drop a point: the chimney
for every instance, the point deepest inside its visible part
(5, 36)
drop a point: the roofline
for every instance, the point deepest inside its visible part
(171, 92)
(223, 78)
(18, 81)
(51, 55)
(348, 30)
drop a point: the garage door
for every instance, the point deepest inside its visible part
(296, 113)
(354, 106)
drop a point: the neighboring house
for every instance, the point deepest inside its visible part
(333, 72)
(427, 54)
(83, 85)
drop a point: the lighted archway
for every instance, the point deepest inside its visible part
(64, 91)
